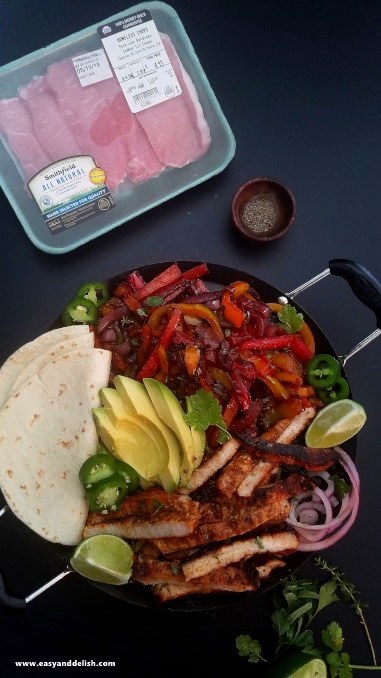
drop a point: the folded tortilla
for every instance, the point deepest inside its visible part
(46, 433)
(27, 353)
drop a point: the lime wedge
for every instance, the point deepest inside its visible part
(103, 558)
(298, 664)
(314, 668)
(335, 424)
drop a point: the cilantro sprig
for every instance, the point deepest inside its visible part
(290, 319)
(204, 410)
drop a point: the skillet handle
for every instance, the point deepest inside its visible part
(363, 284)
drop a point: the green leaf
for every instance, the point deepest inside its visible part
(204, 410)
(339, 666)
(300, 612)
(154, 301)
(247, 647)
(327, 595)
(290, 319)
(332, 636)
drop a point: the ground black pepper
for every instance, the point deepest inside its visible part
(260, 213)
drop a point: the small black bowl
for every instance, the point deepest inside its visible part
(263, 209)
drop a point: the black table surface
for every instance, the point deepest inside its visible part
(299, 83)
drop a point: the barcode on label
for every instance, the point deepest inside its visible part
(144, 98)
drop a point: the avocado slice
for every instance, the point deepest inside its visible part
(132, 441)
(135, 397)
(169, 410)
(110, 398)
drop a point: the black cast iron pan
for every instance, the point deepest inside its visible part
(367, 289)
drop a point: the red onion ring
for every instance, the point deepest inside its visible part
(315, 537)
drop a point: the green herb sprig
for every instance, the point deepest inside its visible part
(296, 604)
(204, 410)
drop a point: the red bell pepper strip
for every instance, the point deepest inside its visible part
(152, 364)
(195, 272)
(136, 281)
(292, 341)
(241, 388)
(167, 277)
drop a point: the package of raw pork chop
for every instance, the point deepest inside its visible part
(104, 125)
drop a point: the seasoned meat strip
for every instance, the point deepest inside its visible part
(240, 549)
(146, 515)
(219, 522)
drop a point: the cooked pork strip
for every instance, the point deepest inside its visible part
(213, 464)
(259, 474)
(284, 431)
(267, 568)
(307, 457)
(165, 572)
(275, 431)
(149, 514)
(227, 521)
(296, 426)
(240, 549)
(234, 472)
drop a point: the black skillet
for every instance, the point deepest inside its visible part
(367, 289)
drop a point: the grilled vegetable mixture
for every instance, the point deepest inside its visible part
(259, 493)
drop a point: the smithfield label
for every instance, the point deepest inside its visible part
(71, 191)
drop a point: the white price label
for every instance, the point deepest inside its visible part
(92, 67)
(140, 61)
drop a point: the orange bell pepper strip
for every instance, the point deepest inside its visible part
(232, 313)
(191, 310)
(238, 288)
(286, 361)
(231, 409)
(163, 359)
(192, 356)
(221, 376)
(276, 387)
(307, 337)
(289, 377)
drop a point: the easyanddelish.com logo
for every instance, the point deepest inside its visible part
(75, 663)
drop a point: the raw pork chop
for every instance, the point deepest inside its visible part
(81, 106)
(16, 125)
(171, 126)
(50, 127)
(117, 119)
(189, 93)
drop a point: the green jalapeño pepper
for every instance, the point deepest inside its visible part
(107, 494)
(338, 391)
(79, 311)
(131, 477)
(322, 370)
(96, 291)
(96, 468)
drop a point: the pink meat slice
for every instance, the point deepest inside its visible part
(190, 95)
(173, 126)
(117, 119)
(81, 106)
(16, 125)
(50, 127)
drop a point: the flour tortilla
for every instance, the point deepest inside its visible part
(82, 341)
(24, 355)
(46, 433)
